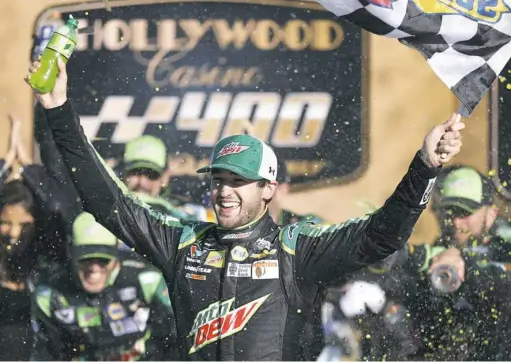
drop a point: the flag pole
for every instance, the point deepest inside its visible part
(462, 112)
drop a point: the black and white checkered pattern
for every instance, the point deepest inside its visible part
(467, 54)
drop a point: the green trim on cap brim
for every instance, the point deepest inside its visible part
(240, 170)
(130, 166)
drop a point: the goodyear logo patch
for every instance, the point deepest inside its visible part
(482, 10)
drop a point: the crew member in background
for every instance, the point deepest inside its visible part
(143, 171)
(106, 305)
(280, 215)
(463, 204)
(469, 217)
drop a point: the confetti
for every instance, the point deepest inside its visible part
(107, 5)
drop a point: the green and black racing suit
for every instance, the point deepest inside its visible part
(240, 294)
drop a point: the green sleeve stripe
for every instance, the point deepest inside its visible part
(316, 230)
(289, 234)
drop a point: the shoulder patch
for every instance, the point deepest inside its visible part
(289, 235)
(192, 232)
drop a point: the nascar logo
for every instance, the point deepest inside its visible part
(482, 10)
(218, 321)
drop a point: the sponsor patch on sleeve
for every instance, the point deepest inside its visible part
(427, 194)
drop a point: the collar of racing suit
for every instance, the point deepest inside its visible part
(253, 231)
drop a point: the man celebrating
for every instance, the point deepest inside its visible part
(243, 289)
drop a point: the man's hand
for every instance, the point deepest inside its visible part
(452, 257)
(58, 96)
(443, 142)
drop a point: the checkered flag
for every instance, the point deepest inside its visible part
(466, 42)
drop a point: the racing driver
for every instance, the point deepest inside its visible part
(242, 288)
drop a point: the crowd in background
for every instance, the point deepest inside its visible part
(447, 300)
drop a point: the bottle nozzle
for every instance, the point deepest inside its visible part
(72, 22)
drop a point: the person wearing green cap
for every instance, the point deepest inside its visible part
(144, 166)
(468, 215)
(463, 203)
(244, 287)
(106, 305)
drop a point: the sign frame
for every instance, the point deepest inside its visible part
(365, 137)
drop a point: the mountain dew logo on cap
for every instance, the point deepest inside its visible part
(246, 156)
(231, 148)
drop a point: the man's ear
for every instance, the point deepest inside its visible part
(269, 190)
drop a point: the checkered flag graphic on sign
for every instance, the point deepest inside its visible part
(466, 49)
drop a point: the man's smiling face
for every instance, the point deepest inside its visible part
(237, 200)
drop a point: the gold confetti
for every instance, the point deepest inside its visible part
(492, 173)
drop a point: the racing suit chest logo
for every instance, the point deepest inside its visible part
(218, 321)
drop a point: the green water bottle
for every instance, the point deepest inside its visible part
(62, 44)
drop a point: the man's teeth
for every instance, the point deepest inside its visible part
(228, 205)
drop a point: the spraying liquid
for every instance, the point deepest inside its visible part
(62, 44)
